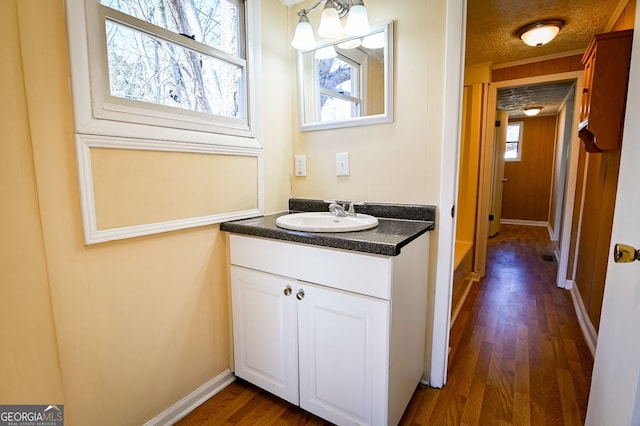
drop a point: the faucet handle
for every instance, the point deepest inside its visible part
(352, 209)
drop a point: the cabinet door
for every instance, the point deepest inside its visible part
(265, 331)
(343, 340)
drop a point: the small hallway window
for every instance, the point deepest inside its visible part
(513, 150)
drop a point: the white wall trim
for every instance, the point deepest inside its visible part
(180, 409)
(539, 223)
(525, 222)
(487, 166)
(436, 362)
(539, 59)
(588, 330)
(93, 235)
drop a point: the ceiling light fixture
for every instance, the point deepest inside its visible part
(330, 26)
(531, 111)
(540, 33)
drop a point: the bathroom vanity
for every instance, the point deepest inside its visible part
(332, 322)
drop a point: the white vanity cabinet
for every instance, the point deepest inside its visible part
(340, 333)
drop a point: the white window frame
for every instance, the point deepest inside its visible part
(356, 59)
(97, 112)
(519, 156)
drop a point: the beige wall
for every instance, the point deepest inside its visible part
(29, 367)
(116, 331)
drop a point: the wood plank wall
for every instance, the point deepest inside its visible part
(599, 172)
(534, 69)
(527, 191)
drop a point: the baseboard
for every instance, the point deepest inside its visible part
(180, 409)
(589, 332)
(524, 222)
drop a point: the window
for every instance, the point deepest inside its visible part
(513, 150)
(340, 88)
(180, 64)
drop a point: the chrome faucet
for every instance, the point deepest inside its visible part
(339, 210)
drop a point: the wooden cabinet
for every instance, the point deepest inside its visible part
(606, 73)
(339, 333)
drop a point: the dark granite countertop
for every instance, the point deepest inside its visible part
(398, 226)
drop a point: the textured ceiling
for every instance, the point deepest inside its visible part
(492, 24)
(547, 95)
(491, 28)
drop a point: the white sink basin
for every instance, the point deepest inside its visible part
(326, 222)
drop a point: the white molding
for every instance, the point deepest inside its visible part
(556, 254)
(525, 222)
(539, 59)
(550, 230)
(437, 363)
(93, 235)
(588, 330)
(183, 407)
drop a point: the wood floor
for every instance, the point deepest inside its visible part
(517, 354)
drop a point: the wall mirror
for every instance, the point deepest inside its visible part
(347, 82)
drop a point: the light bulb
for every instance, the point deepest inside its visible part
(328, 52)
(303, 38)
(358, 20)
(330, 26)
(350, 44)
(530, 112)
(374, 41)
(540, 36)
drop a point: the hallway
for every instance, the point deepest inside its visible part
(517, 354)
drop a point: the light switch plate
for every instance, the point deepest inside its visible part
(342, 164)
(301, 165)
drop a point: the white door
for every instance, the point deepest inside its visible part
(343, 355)
(615, 385)
(265, 331)
(498, 172)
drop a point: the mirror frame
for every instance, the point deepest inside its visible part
(385, 117)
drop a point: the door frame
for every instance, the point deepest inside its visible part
(486, 168)
(436, 360)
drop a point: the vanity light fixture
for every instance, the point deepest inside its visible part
(541, 32)
(330, 26)
(531, 111)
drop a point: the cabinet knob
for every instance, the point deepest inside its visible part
(287, 291)
(300, 294)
